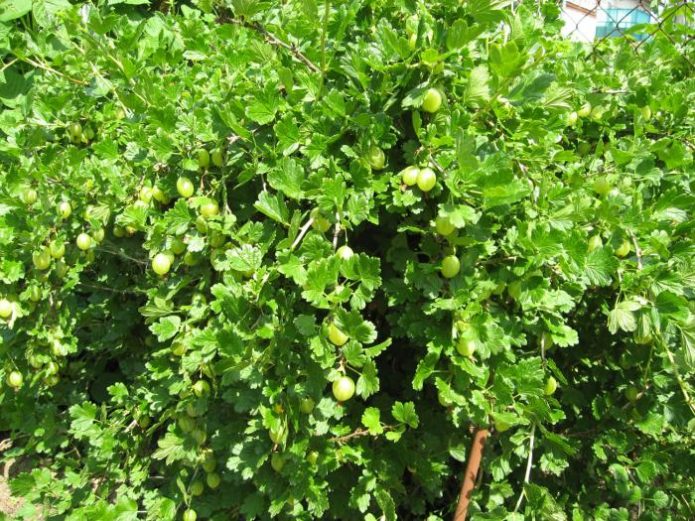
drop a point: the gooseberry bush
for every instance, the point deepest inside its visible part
(282, 259)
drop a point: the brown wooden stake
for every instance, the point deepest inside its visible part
(472, 468)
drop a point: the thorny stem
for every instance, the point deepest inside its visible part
(638, 251)
(437, 165)
(51, 70)
(131, 426)
(9, 64)
(336, 232)
(679, 378)
(302, 233)
(113, 89)
(543, 348)
(274, 40)
(529, 465)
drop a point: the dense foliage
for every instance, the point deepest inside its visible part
(218, 219)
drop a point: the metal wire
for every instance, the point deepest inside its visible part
(598, 24)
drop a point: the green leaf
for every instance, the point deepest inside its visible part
(465, 151)
(541, 504)
(294, 268)
(263, 107)
(386, 503)
(460, 34)
(248, 8)
(563, 335)
(532, 88)
(660, 499)
(459, 452)
(647, 471)
(414, 97)
(320, 275)
(170, 448)
(487, 11)
(356, 327)
(394, 45)
(245, 258)
(652, 424)
(126, 509)
(503, 189)
(368, 382)
(166, 327)
(13, 86)
(557, 98)
(599, 266)
(11, 271)
(335, 102)
(288, 136)
(673, 306)
(687, 334)
(83, 418)
(506, 60)
(179, 218)
(45, 11)
(364, 269)
(133, 216)
(273, 206)
(405, 413)
(13, 9)
(287, 177)
(305, 324)
(478, 89)
(426, 367)
(621, 318)
(371, 418)
(459, 215)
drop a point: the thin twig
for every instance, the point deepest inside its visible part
(302, 233)
(679, 378)
(106, 288)
(126, 110)
(543, 348)
(52, 70)
(9, 64)
(274, 40)
(263, 281)
(336, 231)
(357, 434)
(529, 465)
(580, 434)
(120, 253)
(638, 396)
(131, 426)
(638, 251)
(610, 91)
(436, 164)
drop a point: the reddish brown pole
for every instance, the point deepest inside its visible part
(472, 467)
